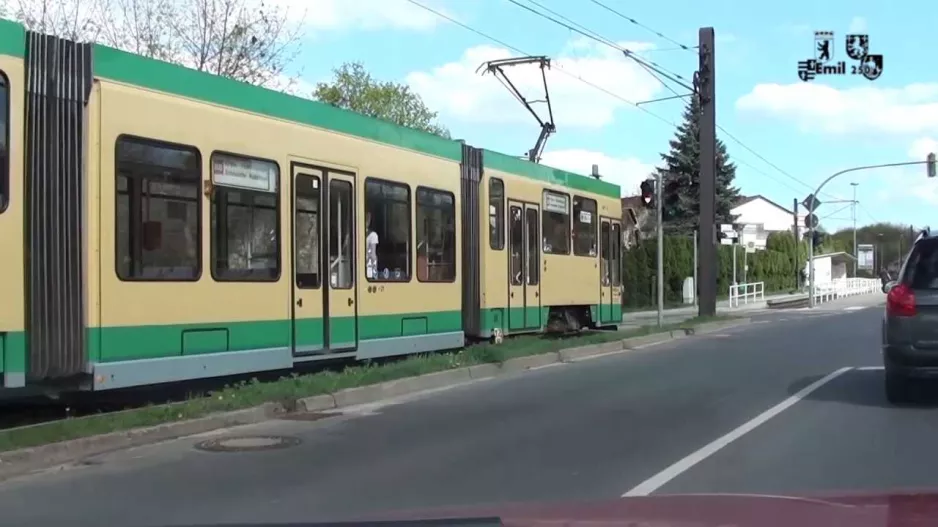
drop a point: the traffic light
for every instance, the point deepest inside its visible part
(815, 239)
(931, 165)
(648, 193)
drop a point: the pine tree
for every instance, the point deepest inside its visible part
(681, 192)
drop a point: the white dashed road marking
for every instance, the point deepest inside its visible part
(855, 308)
(662, 478)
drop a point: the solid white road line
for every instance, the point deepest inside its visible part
(660, 479)
(855, 308)
(869, 368)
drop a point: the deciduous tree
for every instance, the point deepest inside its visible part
(353, 88)
(247, 40)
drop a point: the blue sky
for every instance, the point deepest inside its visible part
(807, 130)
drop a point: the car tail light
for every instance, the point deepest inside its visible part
(900, 302)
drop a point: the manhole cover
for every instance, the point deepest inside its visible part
(308, 416)
(247, 443)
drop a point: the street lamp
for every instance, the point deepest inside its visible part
(931, 165)
(853, 214)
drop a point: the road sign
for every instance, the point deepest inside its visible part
(728, 230)
(807, 202)
(810, 221)
(865, 255)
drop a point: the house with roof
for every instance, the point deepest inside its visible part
(760, 217)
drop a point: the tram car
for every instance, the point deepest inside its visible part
(162, 224)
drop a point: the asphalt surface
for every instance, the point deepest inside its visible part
(590, 430)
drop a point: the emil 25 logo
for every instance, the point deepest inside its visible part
(857, 48)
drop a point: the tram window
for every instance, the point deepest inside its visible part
(387, 231)
(516, 245)
(605, 252)
(584, 226)
(341, 235)
(496, 214)
(436, 235)
(306, 232)
(245, 226)
(158, 210)
(556, 223)
(532, 256)
(4, 141)
(615, 256)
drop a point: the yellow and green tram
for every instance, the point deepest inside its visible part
(162, 224)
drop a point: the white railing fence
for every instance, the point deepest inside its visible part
(858, 286)
(747, 293)
(844, 287)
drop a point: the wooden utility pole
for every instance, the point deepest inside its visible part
(708, 134)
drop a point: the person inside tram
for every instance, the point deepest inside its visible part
(371, 249)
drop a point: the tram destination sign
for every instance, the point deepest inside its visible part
(245, 173)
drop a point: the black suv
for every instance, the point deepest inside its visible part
(910, 325)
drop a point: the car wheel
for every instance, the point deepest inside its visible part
(897, 388)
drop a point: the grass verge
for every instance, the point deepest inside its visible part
(253, 393)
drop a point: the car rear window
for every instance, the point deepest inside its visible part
(921, 271)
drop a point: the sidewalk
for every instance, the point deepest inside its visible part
(680, 314)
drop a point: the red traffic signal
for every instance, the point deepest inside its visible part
(648, 193)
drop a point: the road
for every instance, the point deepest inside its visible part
(590, 430)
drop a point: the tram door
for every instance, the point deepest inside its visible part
(610, 246)
(324, 285)
(524, 291)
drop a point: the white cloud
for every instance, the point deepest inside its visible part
(912, 109)
(903, 112)
(362, 14)
(458, 91)
(292, 85)
(726, 38)
(907, 182)
(916, 184)
(626, 172)
(857, 25)
(795, 29)
(922, 188)
(921, 147)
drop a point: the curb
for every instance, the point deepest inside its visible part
(19, 462)
(713, 327)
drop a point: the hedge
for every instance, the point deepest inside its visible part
(775, 266)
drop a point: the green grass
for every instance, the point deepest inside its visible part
(289, 389)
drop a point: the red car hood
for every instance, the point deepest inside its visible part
(706, 510)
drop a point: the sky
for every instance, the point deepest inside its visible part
(787, 135)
